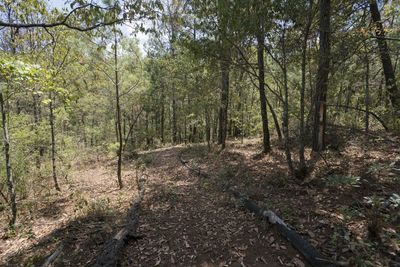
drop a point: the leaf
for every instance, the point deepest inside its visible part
(46, 101)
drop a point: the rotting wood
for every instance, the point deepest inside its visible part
(111, 250)
(53, 256)
(313, 257)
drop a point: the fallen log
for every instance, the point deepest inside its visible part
(313, 257)
(111, 250)
(53, 256)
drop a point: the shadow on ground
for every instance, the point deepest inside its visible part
(82, 239)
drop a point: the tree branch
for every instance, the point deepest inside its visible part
(63, 22)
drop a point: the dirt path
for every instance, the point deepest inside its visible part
(185, 222)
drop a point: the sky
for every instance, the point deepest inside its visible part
(127, 31)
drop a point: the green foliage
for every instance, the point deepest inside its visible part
(337, 180)
(112, 149)
(377, 167)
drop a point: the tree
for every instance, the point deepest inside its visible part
(260, 36)
(118, 110)
(388, 70)
(13, 74)
(307, 27)
(319, 127)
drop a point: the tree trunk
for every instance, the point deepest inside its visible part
(162, 119)
(7, 157)
(322, 76)
(391, 86)
(261, 88)
(303, 87)
(36, 117)
(174, 120)
(276, 122)
(285, 118)
(366, 92)
(208, 128)
(223, 110)
(53, 143)
(118, 111)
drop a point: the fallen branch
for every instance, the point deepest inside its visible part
(109, 255)
(53, 256)
(306, 249)
(313, 257)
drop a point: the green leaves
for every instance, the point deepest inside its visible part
(17, 71)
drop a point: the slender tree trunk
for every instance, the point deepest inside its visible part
(174, 128)
(7, 157)
(118, 112)
(162, 119)
(261, 88)
(285, 118)
(92, 134)
(53, 143)
(84, 130)
(214, 126)
(276, 122)
(36, 118)
(322, 76)
(174, 120)
(208, 128)
(223, 110)
(303, 87)
(242, 123)
(366, 92)
(185, 130)
(391, 86)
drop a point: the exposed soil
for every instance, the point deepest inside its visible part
(186, 220)
(82, 217)
(348, 207)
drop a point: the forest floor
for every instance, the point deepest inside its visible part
(348, 208)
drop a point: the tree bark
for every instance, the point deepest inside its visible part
(303, 86)
(223, 109)
(38, 145)
(285, 118)
(388, 70)
(261, 89)
(53, 143)
(7, 157)
(162, 119)
(276, 122)
(322, 76)
(118, 111)
(174, 119)
(366, 92)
